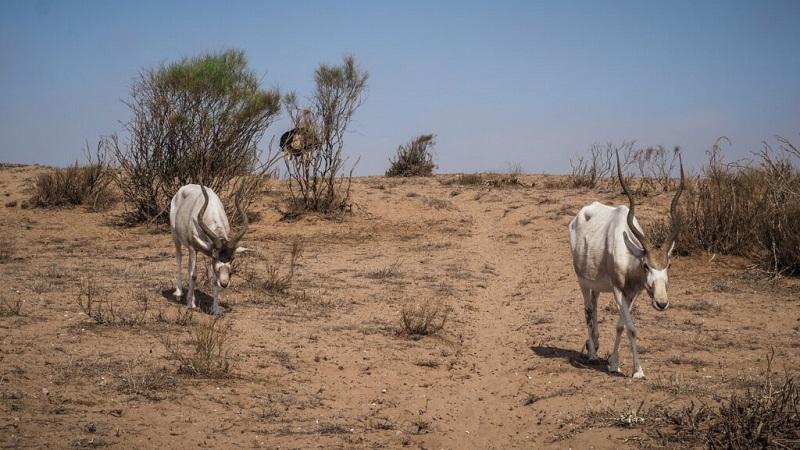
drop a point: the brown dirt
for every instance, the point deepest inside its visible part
(324, 365)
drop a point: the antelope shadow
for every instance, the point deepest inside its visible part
(575, 359)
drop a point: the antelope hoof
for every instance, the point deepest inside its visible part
(178, 293)
(613, 364)
(639, 374)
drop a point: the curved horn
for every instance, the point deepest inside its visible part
(673, 209)
(242, 214)
(202, 223)
(632, 207)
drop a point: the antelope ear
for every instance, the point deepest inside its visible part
(242, 250)
(632, 247)
(671, 249)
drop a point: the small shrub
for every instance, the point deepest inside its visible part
(149, 382)
(318, 182)
(764, 415)
(465, 179)
(424, 319)
(390, 271)
(413, 159)
(12, 307)
(208, 353)
(75, 185)
(767, 416)
(437, 203)
(93, 305)
(7, 249)
(278, 282)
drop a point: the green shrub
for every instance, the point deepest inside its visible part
(413, 159)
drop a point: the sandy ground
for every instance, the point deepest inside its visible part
(324, 366)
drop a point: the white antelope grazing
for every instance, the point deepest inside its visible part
(199, 223)
(610, 253)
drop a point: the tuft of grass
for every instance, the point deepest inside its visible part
(74, 185)
(390, 271)
(424, 318)
(464, 179)
(208, 353)
(430, 363)
(12, 307)
(7, 249)
(437, 203)
(150, 382)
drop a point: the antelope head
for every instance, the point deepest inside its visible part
(654, 261)
(223, 249)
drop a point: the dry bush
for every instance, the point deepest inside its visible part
(208, 353)
(277, 281)
(12, 307)
(437, 203)
(198, 120)
(765, 415)
(317, 179)
(508, 179)
(424, 318)
(413, 159)
(390, 271)
(653, 167)
(464, 179)
(148, 382)
(91, 302)
(8, 248)
(595, 169)
(74, 185)
(749, 208)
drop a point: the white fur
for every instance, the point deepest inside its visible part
(186, 232)
(607, 257)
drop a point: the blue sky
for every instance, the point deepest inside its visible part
(497, 82)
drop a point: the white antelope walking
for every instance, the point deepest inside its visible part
(199, 223)
(611, 254)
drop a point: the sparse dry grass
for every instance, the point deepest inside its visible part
(74, 185)
(390, 271)
(424, 318)
(765, 415)
(12, 307)
(276, 280)
(100, 307)
(7, 249)
(145, 381)
(464, 179)
(208, 353)
(437, 203)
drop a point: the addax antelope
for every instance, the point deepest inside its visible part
(199, 223)
(610, 253)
